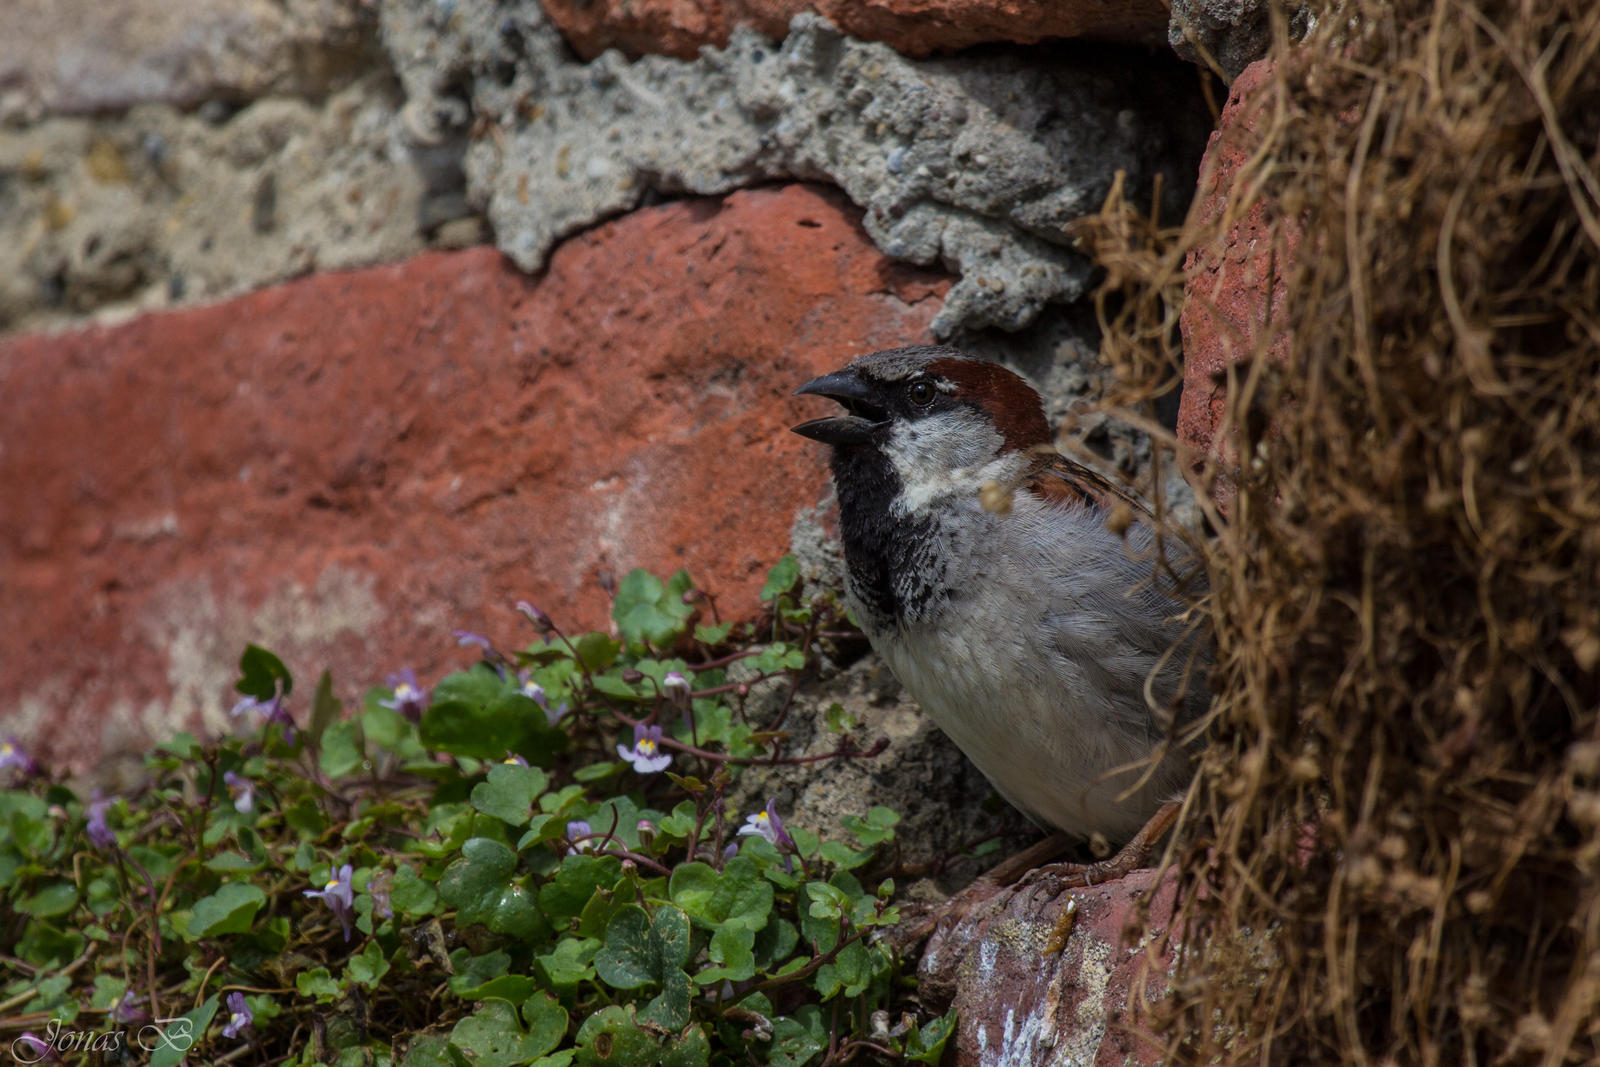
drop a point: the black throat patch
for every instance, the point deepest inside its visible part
(894, 572)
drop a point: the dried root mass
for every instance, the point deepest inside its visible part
(1393, 851)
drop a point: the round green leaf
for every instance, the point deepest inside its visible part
(795, 1040)
(547, 1021)
(465, 729)
(648, 610)
(229, 910)
(57, 898)
(627, 961)
(410, 895)
(480, 887)
(691, 1049)
(669, 1009)
(610, 1038)
(739, 895)
(509, 792)
(565, 895)
(368, 966)
(508, 987)
(571, 962)
(492, 1037)
(260, 672)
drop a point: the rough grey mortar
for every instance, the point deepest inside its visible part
(1234, 33)
(978, 162)
(944, 802)
(816, 549)
(60, 57)
(159, 206)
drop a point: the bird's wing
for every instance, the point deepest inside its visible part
(1095, 631)
(1058, 479)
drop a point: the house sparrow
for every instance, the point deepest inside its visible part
(1012, 591)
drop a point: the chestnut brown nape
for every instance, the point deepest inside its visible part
(1012, 403)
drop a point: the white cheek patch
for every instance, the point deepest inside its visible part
(943, 455)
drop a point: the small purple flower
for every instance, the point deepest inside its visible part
(466, 638)
(271, 710)
(677, 688)
(128, 1010)
(515, 760)
(767, 824)
(540, 620)
(242, 790)
(578, 837)
(15, 761)
(646, 755)
(339, 896)
(409, 698)
(535, 692)
(241, 1017)
(100, 835)
(29, 1047)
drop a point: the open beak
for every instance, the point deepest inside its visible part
(862, 417)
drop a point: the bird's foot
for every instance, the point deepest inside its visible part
(993, 881)
(1030, 871)
(1054, 878)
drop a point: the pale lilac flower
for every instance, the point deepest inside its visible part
(767, 824)
(466, 638)
(646, 755)
(100, 835)
(677, 688)
(35, 1047)
(515, 760)
(647, 832)
(242, 790)
(535, 692)
(241, 1018)
(408, 698)
(271, 710)
(578, 837)
(15, 761)
(339, 896)
(540, 620)
(128, 1010)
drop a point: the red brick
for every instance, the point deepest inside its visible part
(915, 27)
(1236, 282)
(1031, 987)
(346, 467)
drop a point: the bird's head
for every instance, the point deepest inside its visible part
(928, 411)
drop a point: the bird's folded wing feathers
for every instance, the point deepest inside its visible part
(1054, 477)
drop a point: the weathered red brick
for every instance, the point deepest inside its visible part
(1031, 985)
(915, 27)
(1235, 282)
(346, 467)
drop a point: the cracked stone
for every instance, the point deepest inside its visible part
(979, 163)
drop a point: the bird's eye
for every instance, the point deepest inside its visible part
(922, 392)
